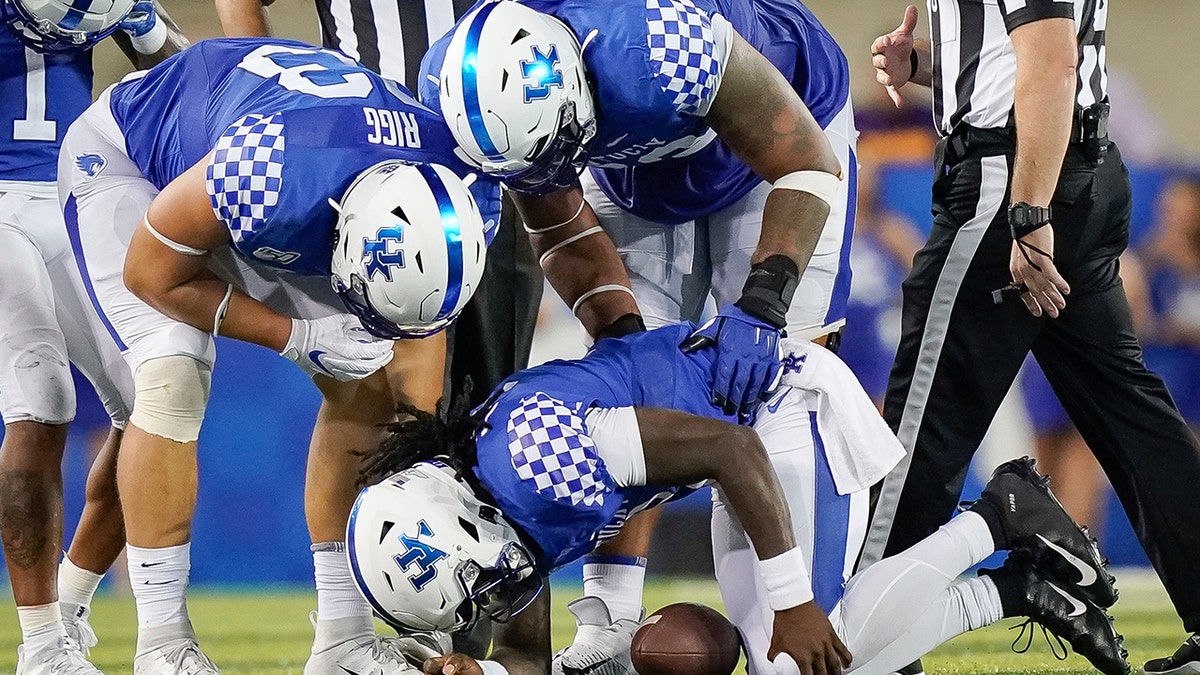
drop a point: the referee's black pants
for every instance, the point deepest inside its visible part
(491, 339)
(959, 354)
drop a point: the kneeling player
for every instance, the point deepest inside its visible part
(486, 505)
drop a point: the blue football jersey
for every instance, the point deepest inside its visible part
(40, 95)
(284, 127)
(535, 455)
(655, 67)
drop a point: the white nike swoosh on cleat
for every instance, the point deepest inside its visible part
(1087, 574)
(1077, 607)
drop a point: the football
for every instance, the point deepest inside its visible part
(685, 639)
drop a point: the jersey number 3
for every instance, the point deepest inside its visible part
(309, 71)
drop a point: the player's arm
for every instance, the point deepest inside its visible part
(761, 118)
(244, 18)
(178, 283)
(681, 449)
(1043, 106)
(149, 36)
(166, 266)
(521, 646)
(580, 260)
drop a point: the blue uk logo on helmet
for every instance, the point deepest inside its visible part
(380, 255)
(423, 555)
(543, 70)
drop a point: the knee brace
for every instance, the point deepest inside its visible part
(170, 394)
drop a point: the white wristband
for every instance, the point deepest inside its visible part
(595, 229)
(787, 581)
(152, 41)
(599, 289)
(492, 667)
(818, 183)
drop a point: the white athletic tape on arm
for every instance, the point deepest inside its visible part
(492, 667)
(596, 291)
(787, 581)
(152, 41)
(823, 185)
(530, 230)
(222, 308)
(170, 394)
(182, 249)
(618, 441)
(595, 229)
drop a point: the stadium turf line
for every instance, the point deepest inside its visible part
(268, 633)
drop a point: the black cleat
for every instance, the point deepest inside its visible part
(1185, 660)
(1033, 522)
(1086, 627)
(914, 668)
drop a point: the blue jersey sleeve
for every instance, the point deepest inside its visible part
(244, 175)
(689, 48)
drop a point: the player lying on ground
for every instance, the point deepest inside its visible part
(219, 193)
(45, 82)
(486, 505)
(715, 133)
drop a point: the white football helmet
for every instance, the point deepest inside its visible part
(515, 95)
(63, 25)
(409, 248)
(428, 555)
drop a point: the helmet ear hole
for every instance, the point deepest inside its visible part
(383, 531)
(469, 528)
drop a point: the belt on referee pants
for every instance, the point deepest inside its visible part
(1089, 137)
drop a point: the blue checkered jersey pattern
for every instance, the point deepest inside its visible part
(284, 127)
(656, 67)
(538, 461)
(40, 95)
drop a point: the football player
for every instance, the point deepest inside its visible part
(45, 82)
(202, 197)
(487, 504)
(719, 139)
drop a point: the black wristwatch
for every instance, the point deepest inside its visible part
(1024, 218)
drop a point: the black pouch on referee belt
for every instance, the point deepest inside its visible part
(1091, 131)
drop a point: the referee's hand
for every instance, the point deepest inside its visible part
(891, 55)
(1032, 264)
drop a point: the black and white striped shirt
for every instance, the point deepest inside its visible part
(974, 64)
(388, 36)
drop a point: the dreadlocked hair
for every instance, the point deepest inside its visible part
(418, 436)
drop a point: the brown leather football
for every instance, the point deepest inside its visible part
(685, 639)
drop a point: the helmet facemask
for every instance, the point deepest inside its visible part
(504, 589)
(44, 36)
(557, 162)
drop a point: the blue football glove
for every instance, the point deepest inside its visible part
(747, 359)
(140, 20)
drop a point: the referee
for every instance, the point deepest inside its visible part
(491, 339)
(1031, 208)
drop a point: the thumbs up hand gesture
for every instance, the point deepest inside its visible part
(891, 55)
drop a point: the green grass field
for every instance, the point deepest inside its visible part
(268, 632)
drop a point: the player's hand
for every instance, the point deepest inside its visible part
(140, 20)
(336, 346)
(453, 664)
(747, 358)
(804, 633)
(1032, 264)
(891, 55)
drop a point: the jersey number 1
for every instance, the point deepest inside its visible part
(35, 126)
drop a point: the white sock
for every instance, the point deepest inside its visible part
(76, 586)
(159, 578)
(618, 581)
(41, 626)
(337, 596)
(980, 601)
